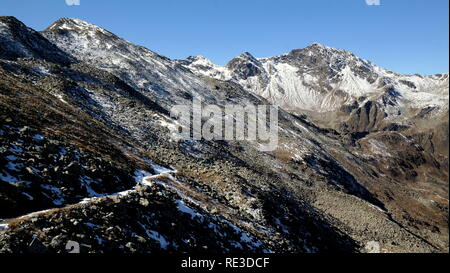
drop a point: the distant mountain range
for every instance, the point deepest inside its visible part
(322, 79)
(86, 151)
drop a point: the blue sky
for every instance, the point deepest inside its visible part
(407, 36)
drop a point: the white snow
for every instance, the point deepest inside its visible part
(140, 175)
(183, 208)
(203, 66)
(15, 149)
(283, 227)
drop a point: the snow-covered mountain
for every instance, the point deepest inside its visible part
(86, 154)
(140, 67)
(322, 79)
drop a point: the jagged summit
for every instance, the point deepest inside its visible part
(326, 54)
(316, 44)
(247, 55)
(323, 47)
(198, 59)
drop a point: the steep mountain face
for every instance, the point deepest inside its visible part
(156, 75)
(87, 154)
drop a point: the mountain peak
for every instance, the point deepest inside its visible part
(245, 65)
(246, 54)
(74, 24)
(323, 48)
(319, 55)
